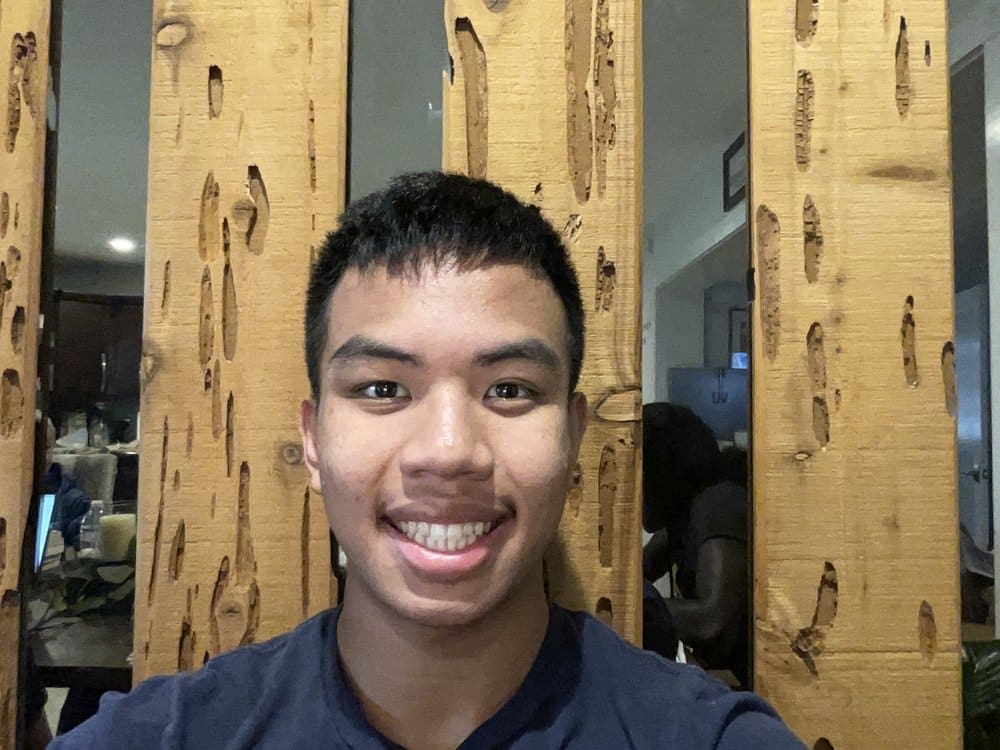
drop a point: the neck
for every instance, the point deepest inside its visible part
(424, 686)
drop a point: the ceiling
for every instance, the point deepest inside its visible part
(103, 127)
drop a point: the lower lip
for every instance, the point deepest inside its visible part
(445, 566)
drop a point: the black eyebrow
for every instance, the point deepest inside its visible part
(362, 347)
(531, 349)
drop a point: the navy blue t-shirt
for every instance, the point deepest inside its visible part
(586, 689)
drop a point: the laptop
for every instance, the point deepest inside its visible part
(43, 534)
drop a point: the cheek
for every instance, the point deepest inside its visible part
(353, 462)
(537, 461)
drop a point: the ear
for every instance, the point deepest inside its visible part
(578, 418)
(308, 415)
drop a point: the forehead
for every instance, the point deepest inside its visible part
(447, 309)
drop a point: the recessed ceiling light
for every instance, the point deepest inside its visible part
(122, 244)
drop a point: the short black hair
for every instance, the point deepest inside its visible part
(438, 218)
(680, 458)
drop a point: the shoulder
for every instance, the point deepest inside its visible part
(634, 671)
(170, 711)
(661, 703)
(727, 495)
(720, 511)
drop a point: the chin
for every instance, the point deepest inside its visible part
(451, 612)
(444, 615)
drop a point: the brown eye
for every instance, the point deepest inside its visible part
(507, 391)
(383, 389)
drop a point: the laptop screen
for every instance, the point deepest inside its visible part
(45, 508)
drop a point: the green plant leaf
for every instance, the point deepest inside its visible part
(115, 573)
(120, 592)
(88, 604)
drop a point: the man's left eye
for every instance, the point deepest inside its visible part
(384, 389)
(508, 391)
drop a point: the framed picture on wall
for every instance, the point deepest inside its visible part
(734, 173)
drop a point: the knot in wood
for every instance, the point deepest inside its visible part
(291, 454)
(172, 34)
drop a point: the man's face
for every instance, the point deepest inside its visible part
(443, 437)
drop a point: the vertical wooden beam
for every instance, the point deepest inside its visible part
(24, 41)
(246, 175)
(856, 546)
(545, 99)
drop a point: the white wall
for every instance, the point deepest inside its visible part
(970, 24)
(398, 50)
(692, 320)
(680, 322)
(694, 106)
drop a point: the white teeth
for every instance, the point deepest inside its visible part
(442, 537)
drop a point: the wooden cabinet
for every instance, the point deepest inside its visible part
(98, 347)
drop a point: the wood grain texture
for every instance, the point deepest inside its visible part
(854, 446)
(247, 155)
(546, 100)
(24, 48)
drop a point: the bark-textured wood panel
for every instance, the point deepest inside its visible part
(246, 175)
(545, 99)
(24, 41)
(856, 547)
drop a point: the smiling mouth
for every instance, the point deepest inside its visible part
(444, 537)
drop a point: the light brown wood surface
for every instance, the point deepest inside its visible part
(856, 546)
(24, 41)
(546, 101)
(247, 155)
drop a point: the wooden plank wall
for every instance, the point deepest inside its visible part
(856, 592)
(246, 175)
(545, 99)
(24, 41)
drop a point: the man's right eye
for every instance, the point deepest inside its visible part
(383, 389)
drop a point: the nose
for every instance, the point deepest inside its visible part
(448, 439)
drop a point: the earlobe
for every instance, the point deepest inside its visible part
(307, 431)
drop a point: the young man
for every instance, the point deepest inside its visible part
(694, 502)
(444, 338)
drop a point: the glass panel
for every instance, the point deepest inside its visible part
(695, 325)
(974, 49)
(972, 340)
(974, 38)
(398, 54)
(79, 623)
